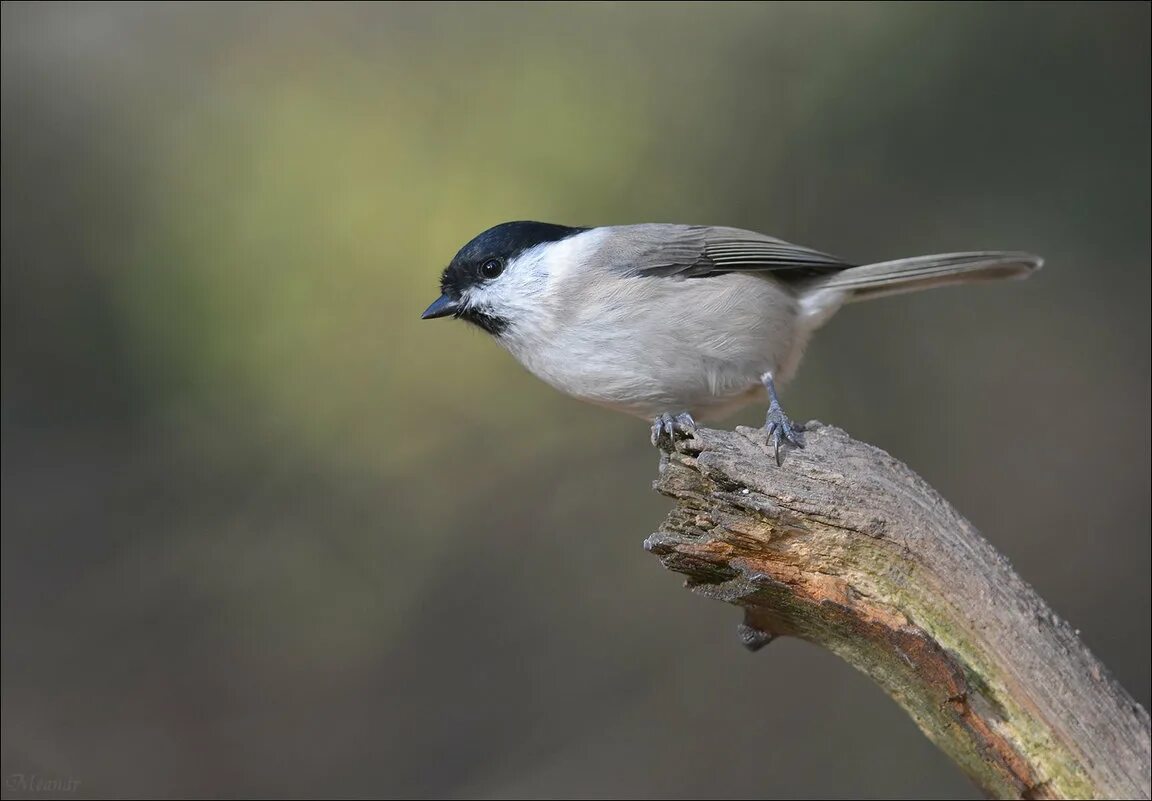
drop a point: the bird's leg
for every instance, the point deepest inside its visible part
(671, 423)
(777, 424)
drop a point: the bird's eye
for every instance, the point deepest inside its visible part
(492, 268)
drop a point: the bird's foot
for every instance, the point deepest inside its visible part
(670, 424)
(780, 428)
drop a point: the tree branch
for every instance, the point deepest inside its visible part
(848, 548)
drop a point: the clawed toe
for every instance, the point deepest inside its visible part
(658, 428)
(670, 425)
(777, 425)
(780, 429)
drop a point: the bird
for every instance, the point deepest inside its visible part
(675, 323)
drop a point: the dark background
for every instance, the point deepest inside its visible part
(264, 532)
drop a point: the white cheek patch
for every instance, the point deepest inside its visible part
(503, 295)
(524, 295)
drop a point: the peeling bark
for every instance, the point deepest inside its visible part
(846, 547)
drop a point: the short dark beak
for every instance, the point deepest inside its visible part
(441, 307)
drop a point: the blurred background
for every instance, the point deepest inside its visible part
(265, 532)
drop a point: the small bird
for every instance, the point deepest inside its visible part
(674, 322)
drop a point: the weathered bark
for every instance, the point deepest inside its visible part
(848, 548)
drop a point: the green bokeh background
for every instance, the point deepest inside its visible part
(265, 532)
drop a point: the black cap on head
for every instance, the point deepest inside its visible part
(484, 259)
(502, 243)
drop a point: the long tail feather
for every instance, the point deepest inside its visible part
(924, 272)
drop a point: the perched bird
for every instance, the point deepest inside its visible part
(674, 322)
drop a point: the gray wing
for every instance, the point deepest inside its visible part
(699, 251)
